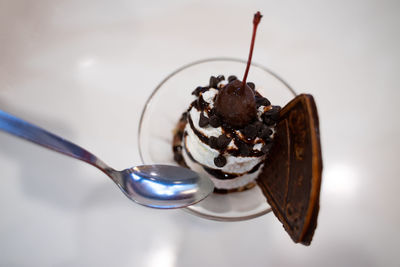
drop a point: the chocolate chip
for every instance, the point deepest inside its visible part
(250, 131)
(213, 82)
(251, 85)
(272, 114)
(223, 141)
(268, 120)
(232, 78)
(265, 133)
(262, 101)
(244, 149)
(266, 148)
(203, 121)
(215, 121)
(220, 161)
(258, 125)
(197, 91)
(275, 116)
(220, 78)
(213, 142)
(212, 111)
(277, 108)
(201, 103)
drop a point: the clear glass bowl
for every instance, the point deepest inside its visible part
(173, 96)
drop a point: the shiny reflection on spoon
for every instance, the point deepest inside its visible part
(163, 184)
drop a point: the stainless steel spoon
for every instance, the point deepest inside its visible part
(156, 186)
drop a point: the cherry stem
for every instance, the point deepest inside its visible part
(256, 21)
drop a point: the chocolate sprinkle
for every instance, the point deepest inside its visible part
(203, 121)
(220, 161)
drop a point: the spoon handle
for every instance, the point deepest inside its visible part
(37, 135)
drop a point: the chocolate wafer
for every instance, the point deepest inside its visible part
(291, 177)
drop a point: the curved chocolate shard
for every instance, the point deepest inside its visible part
(291, 177)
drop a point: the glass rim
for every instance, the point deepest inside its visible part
(169, 76)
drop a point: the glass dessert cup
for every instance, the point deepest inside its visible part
(173, 96)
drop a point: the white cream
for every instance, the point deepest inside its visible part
(204, 155)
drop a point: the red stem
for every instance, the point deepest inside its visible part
(256, 21)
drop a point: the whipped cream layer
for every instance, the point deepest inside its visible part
(231, 157)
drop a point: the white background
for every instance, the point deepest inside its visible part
(83, 69)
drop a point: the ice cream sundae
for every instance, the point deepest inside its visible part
(236, 136)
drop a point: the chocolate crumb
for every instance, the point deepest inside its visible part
(203, 121)
(220, 161)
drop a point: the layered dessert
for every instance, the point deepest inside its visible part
(236, 136)
(230, 149)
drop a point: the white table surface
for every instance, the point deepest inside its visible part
(83, 69)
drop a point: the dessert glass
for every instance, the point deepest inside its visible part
(173, 96)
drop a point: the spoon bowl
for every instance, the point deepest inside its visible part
(163, 186)
(156, 186)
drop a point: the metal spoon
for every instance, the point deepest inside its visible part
(156, 186)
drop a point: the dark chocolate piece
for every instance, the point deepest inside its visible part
(251, 85)
(291, 177)
(213, 142)
(215, 121)
(220, 161)
(232, 78)
(203, 121)
(250, 131)
(262, 101)
(223, 141)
